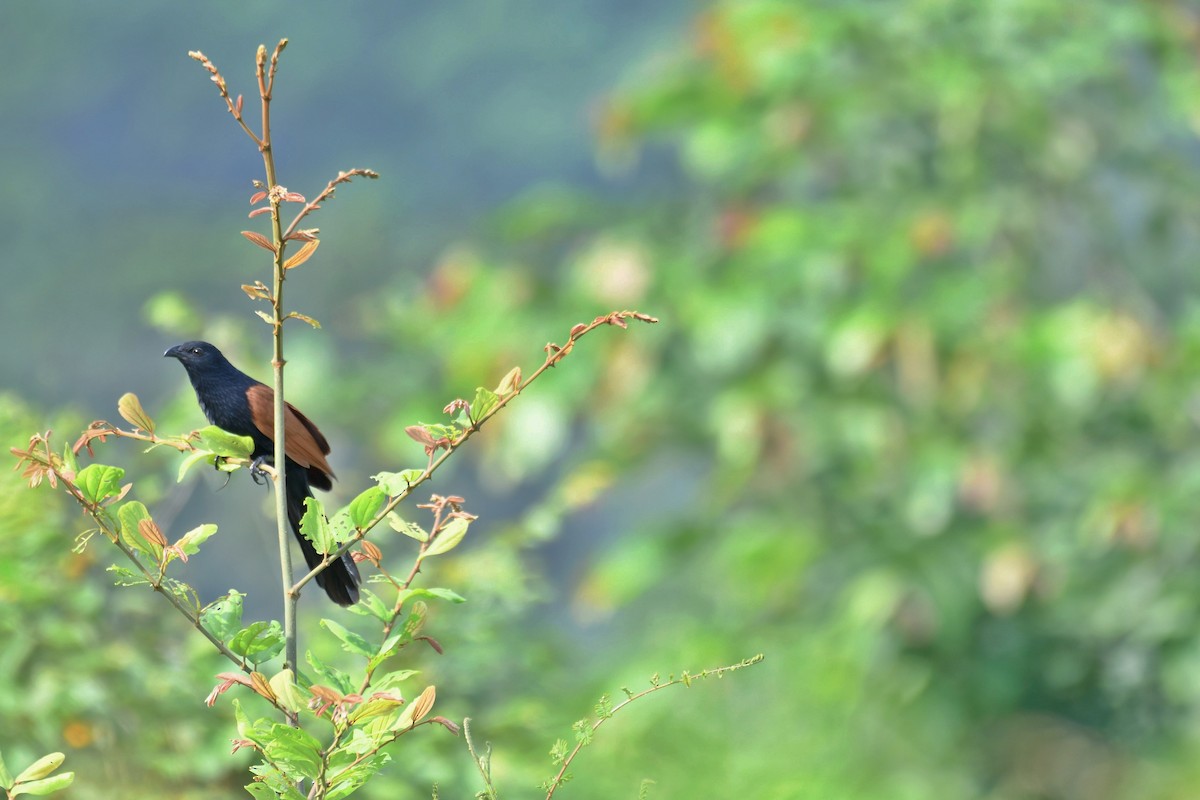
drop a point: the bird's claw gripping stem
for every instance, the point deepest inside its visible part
(257, 473)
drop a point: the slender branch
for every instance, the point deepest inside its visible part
(555, 354)
(326, 194)
(685, 679)
(275, 197)
(484, 762)
(96, 512)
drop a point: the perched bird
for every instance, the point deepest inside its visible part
(237, 403)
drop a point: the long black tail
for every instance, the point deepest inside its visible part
(340, 579)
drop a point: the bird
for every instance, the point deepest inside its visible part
(237, 403)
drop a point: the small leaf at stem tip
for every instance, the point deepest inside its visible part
(257, 197)
(260, 240)
(457, 404)
(238, 105)
(577, 329)
(293, 197)
(303, 254)
(265, 317)
(257, 211)
(130, 409)
(305, 234)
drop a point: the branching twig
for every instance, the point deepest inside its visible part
(555, 354)
(48, 464)
(685, 679)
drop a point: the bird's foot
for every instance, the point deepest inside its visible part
(257, 473)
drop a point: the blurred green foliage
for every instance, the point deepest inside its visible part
(917, 424)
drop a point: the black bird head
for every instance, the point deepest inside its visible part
(198, 357)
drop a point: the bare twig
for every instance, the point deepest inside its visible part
(684, 679)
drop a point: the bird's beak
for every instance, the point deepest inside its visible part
(172, 352)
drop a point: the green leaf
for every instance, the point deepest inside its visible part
(129, 515)
(123, 576)
(41, 768)
(99, 481)
(331, 675)
(351, 641)
(440, 594)
(363, 508)
(223, 618)
(260, 791)
(191, 460)
(347, 779)
(190, 542)
(293, 750)
(44, 786)
(448, 537)
(224, 443)
(440, 430)
(393, 678)
(258, 642)
(409, 529)
(70, 461)
(315, 526)
(341, 528)
(397, 483)
(6, 778)
(281, 784)
(375, 707)
(369, 604)
(485, 400)
(390, 647)
(244, 728)
(289, 695)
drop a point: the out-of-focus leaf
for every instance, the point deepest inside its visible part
(448, 538)
(351, 641)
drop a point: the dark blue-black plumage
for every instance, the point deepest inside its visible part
(233, 401)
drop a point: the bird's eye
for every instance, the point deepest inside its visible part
(195, 351)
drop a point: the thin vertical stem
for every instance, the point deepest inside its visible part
(265, 85)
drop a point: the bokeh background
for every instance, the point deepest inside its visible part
(919, 422)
